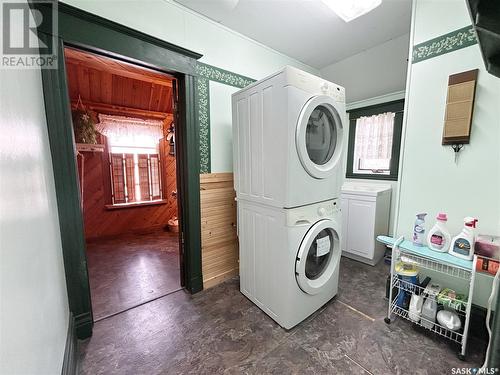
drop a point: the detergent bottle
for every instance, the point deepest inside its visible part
(419, 230)
(462, 246)
(439, 238)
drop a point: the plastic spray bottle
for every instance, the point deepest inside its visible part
(419, 230)
(462, 246)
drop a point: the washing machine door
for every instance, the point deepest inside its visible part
(319, 139)
(318, 256)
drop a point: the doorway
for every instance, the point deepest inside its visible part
(85, 31)
(124, 127)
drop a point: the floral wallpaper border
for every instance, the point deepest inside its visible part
(207, 73)
(203, 102)
(455, 40)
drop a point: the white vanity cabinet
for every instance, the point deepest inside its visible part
(365, 215)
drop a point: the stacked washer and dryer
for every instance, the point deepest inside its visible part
(287, 143)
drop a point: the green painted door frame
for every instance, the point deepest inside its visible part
(92, 33)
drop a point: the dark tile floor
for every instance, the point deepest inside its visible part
(220, 331)
(131, 269)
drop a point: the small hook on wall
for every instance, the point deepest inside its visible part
(456, 149)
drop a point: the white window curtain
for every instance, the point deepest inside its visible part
(373, 144)
(125, 133)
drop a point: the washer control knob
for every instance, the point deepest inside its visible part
(324, 87)
(321, 211)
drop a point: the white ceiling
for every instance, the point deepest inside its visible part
(308, 30)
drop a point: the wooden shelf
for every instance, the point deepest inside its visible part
(85, 147)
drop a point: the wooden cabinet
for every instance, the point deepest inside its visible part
(365, 215)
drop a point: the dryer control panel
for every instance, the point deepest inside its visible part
(313, 84)
(308, 215)
(333, 90)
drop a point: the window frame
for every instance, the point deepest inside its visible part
(134, 203)
(397, 107)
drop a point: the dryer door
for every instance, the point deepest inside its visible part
(318, 256)
(319, 136)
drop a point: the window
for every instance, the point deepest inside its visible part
(374, 141)
(135, 178)
(134, 159)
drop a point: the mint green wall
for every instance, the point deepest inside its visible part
(430, 180)
(33, 300)
(228, 58)
(221, 134)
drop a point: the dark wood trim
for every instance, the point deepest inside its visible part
(70, 358)
(470, 75)
(455, 140)
(397, 107)
(95, 34)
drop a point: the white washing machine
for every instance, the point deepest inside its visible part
(287, 139)
(289, 258)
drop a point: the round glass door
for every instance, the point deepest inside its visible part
(318, 256)
(319, 136)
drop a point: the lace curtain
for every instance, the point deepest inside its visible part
(373, 146)
(130, 132)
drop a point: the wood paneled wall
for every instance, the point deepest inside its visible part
(98, 79)
(219, 244)
(102, 222)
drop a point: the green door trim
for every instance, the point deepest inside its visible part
(90, 32)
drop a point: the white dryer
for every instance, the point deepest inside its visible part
(289, 258)
(287, 139)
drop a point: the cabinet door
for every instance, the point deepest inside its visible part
(344, 207)
(360, 226)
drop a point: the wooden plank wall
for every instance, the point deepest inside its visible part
(101, 222)
(219, 245)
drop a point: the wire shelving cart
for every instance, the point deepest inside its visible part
(442, 263)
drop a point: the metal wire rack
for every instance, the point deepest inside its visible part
(425, 258)
(433, 265)
(455, 304)
(435, 327)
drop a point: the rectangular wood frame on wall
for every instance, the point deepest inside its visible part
(459, 107)
(83, 30)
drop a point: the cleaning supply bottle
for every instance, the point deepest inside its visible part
(462, 246)
(429, 311)
(439, 238)
(419, 230)
(415, 309)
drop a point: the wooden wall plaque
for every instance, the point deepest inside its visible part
(459, 107)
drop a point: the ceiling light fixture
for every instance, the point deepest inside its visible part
(351, 9)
